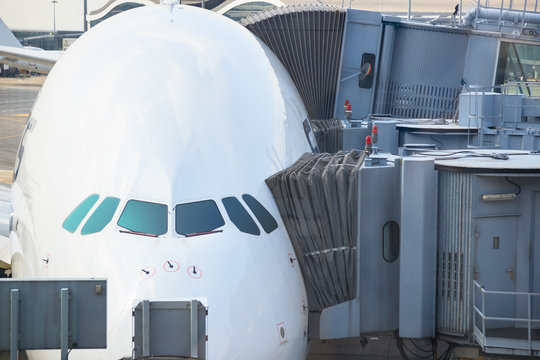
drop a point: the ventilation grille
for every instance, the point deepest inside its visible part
(307, 39)
(454, 284)
(407, 100)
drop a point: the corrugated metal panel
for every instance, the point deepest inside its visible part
(454, 258)
(425, 75)
(307, 39)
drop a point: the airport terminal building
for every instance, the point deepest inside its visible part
(52, 25)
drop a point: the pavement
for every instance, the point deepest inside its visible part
(17, 96)
(32, 81)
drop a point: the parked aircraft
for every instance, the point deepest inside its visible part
(12, 53)
(144, 162)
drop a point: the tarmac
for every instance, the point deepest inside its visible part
(17, 96)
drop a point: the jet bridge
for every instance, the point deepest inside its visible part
(439, 244)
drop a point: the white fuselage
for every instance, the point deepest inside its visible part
(167, 105)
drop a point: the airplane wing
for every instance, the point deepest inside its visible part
(12, 53)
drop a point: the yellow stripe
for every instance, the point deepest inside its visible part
(14, 120)
(14, 115)
(9, 137)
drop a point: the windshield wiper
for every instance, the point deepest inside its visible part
(129, 231)
(204, 233)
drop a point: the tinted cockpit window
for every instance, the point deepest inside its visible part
(144, 218)
(101, 217)
(239, 216)
(266, 219)
(74, 219)
(198, 218)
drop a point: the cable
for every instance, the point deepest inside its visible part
(419, 348)
(447, 353)
(430, 356)
(448, 154)
(399, 345)
(513, 183)
(434, 139)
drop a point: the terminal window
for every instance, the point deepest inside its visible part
(519, 63)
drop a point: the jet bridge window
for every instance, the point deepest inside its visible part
(144, 218)
(390, 241)
(266, 219)
(239, 12)
(239, 216)
(198, 218)
(519, 63)
(74, 219)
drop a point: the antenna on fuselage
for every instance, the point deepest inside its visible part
(171, 3)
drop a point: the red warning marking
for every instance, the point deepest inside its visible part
(171, 266)
(194, 272)
(148, 272)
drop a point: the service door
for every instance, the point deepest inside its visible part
(495, 266)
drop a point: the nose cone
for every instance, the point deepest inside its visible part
(183, 84)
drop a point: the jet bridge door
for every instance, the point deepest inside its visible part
(496, 265)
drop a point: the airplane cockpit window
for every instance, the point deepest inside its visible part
(101, 217)
(144, 218)
(266, 219)
(198, 218)
(239, 216)
(74, 219)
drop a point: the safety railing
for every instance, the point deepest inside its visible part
(527, 88)
(491, 112)
(503, 7)
(482, 112)
(481, 332)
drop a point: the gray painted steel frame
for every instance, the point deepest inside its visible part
(70, 313)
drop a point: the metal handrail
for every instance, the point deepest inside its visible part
(477, 113)
(481, 90)
(486, 5)
(529, 85)
(502, 8)
(482, 315)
